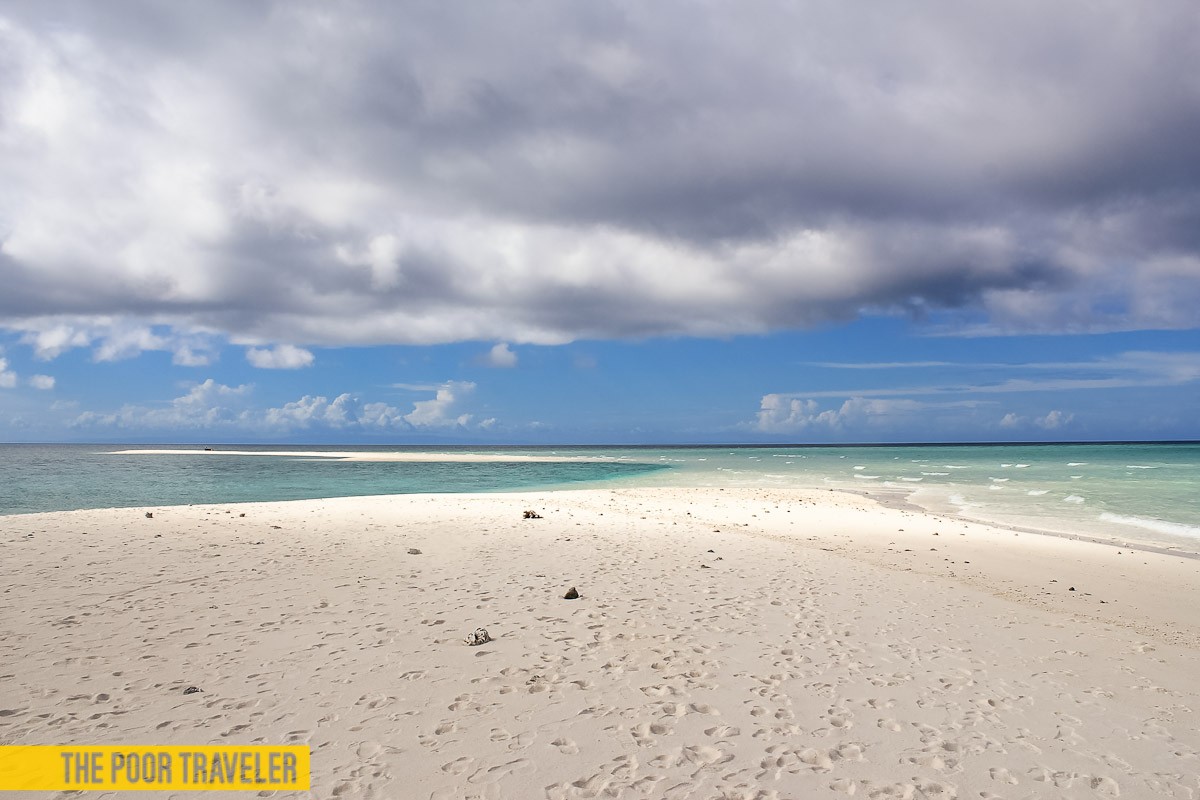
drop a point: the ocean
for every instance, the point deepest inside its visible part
(1148, 493)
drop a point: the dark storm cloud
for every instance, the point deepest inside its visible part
(424, 172)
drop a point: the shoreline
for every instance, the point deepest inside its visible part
(889, 500)
(1167, 526)
(355, 455)
(895, 499)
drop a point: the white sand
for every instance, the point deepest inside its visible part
(823, 653)
(359, 455)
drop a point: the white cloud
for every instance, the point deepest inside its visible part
(1050, 421)
(1124, 370)
(283, 356)
(309, 411)
(214, 406)
(500, 356)
(186, 356)
(1054, 419)
(207, 405)
(781, 413)
(115, 339)
(128, 343)
(871, 365)
(440, 412)
(8, 379)
(44, 382)
(51, 341)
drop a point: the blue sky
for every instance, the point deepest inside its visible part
(871, 380)
(553, 223)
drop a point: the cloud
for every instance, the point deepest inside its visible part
(500, 356)
(783, 414)
(122, 344)
(872, 365)
(1122, 371)
(283, 356)
(780, 413)
(207, 405)
(440, 412)
(185, 356)
(49, 340)
(216, 407)
(44, 382)
(115, 339)
(1054, 419)
(310, 411)
(8, 379)
(591, 171)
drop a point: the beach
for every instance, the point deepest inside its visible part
(359, 455)
(726, 643)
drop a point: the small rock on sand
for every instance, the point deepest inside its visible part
(571, 594)
(412, 551)
(192, 690)
(478, 636)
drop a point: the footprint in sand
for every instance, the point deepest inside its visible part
(458, 766)
(463, 701)
(565, 746)
(492, 774)
(672, 709)
(722, 732)
(1003, 775)
(643, 733)
(368, 750)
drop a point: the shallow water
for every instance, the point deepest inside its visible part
(67, 477)
(1147, 492)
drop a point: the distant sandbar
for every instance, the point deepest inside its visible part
(360, 456)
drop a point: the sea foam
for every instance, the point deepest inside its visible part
(1157, 525)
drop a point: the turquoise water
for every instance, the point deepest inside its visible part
(1143, 492)
(1147, 492)
(68, 477)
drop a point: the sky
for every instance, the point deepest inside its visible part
(606, 222)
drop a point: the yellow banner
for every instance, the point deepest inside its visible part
(220, 768)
